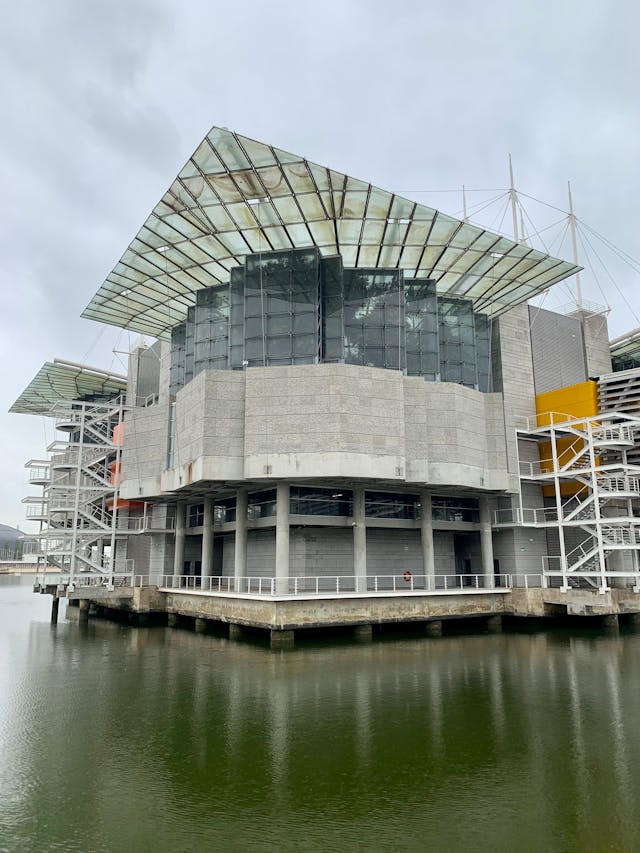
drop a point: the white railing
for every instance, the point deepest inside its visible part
(614, 485)
(36, 510)
(40, 474)
(405, 582)
(618, 434)
(620, 535)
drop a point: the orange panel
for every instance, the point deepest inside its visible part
(118, 434)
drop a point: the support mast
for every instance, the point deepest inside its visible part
(572, 226)
(514, 200)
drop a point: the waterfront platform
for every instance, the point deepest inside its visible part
(179, 600)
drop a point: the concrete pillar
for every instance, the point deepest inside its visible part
(201, 625)
(610, 623)
(240, 557)
(55, 605)
(486, 543)
(433, 628)
(426, 539)
(633, 620)
(282, 639)
(207, 541)
(363, 633)
(181, 523)
(494, 624)
(282, 538)
(235, 631)
(83, 608)
(359, 540)
(172, 620)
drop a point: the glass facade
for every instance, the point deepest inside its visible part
(338, 502)
(306, 500)
(389, 505)
(295, 307)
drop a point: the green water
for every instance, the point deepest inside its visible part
(151, 739)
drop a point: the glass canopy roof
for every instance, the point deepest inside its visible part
(63, 380)
(236, 196)
(627, 345)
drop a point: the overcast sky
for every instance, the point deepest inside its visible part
(102, 103)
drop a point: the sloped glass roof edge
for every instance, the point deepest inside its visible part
(627, 344)
(223, 161)
(59, 381)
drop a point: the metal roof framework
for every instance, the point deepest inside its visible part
(236, 196)
(59, 381)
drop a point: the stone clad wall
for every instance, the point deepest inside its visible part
(326, 420)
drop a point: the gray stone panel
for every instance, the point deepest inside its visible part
(558, 350)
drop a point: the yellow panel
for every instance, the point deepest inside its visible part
(575, 401)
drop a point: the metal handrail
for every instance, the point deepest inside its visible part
(405, 582)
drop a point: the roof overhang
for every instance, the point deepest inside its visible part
(627, 345)
(58, 381)
(236, 196)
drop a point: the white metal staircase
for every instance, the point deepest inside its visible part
(591, 455)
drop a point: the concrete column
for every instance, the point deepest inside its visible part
(181, 523)
(282, 639)
(433, 628)
(426, 538)
(486, 543)
(282, 538)
(201, 625)
(55, 605)
(359, 540)
(363, 633)
(494, 624)
(610, 623)
(83, 609)
(240, 558)
(207, 541)
(235, 631)
(173, 620)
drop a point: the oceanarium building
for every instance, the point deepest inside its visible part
(348, 395)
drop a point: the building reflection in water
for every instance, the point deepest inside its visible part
(142, 730)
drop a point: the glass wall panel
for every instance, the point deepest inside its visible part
(310, 501)
(196, 515)
(282, 308)
(211, 329)
(224, 510)
(262, 504)
(389, 505)
(421, 326)
(483, 350)
(236, 318)
(190, 344)
(176, 369)
(373, 316)
(457, 341)
(455, 509)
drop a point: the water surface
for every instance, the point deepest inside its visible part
(150, 739)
